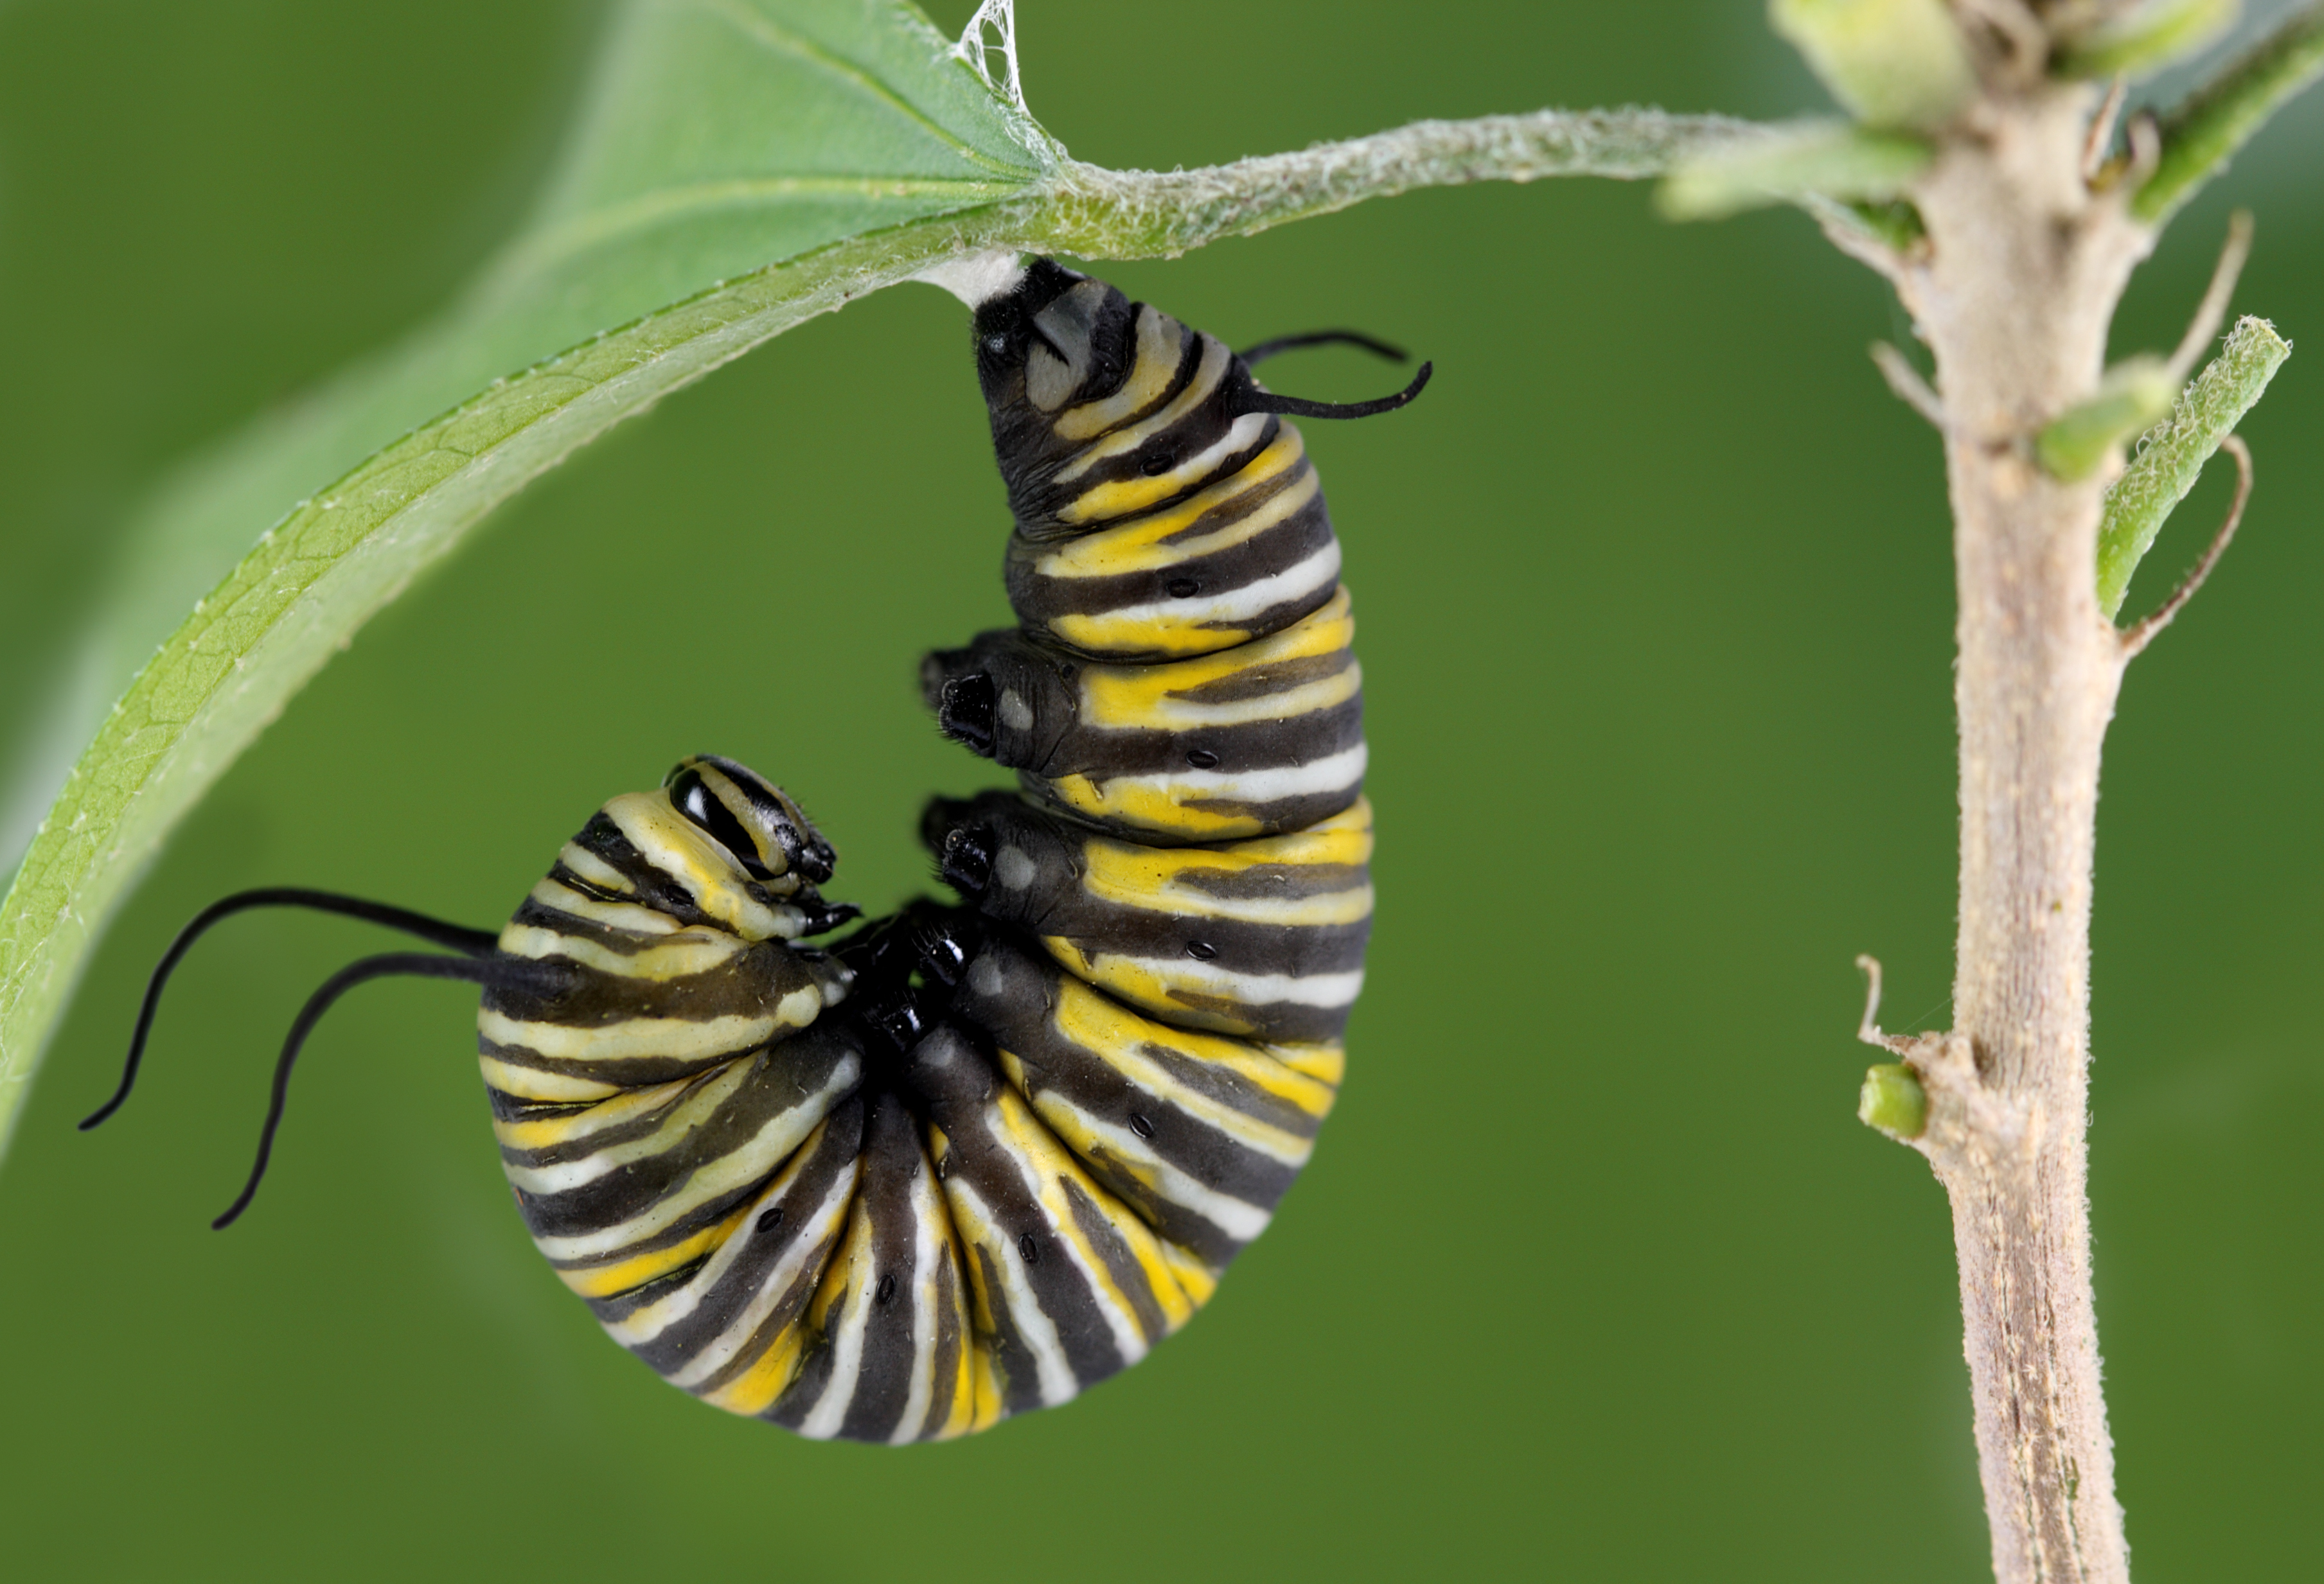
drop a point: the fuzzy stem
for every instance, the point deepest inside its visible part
(2015, 293)
(1096, 213)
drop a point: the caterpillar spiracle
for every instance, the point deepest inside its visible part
(971, 1159)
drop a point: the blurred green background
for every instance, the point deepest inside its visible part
(1595, 1275)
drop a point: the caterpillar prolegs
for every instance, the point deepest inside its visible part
(971, 1159)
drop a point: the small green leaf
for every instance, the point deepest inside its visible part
(1888, 62)
(1894, 1101)
(2203, 131)
(1827, 159)
(2134, 394)
(2171, 456)
(2147, 38)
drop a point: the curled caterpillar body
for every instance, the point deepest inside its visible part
(970, 1159)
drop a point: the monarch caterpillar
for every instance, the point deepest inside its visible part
(969, 1159)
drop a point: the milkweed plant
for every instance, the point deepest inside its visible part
(1981, 161)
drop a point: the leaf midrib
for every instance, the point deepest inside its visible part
(561, 243)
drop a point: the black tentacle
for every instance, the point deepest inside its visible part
(474, 943)
(1252, 356)
(390, 964)
(1259, 400)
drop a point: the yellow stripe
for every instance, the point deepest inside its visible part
(532, 1083)
(748, 1161)
(595, 869)
(568, 1127)
(689, 951)
(684, 852)
(1150, 807)
(1127, 497)
(629, 917)
(676, 1039)
(1326, 1063)
(1161, 347)
(1037, 1147)
(755, 1390)
(699, 1109)
(1139, 547)
(1159, 697)
(1212, 368)
(1197, 1279)
(1120, 1036)
(609, 1280)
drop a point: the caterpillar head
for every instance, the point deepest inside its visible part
(1057, 333)
(750, 816)
(1102, 408)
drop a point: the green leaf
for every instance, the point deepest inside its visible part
(718, 136)
(1826, 160)
(750, 163)
(2171, 456)
(1890, 62)
(2135, 393)
(2203, 131)
(2147, 38)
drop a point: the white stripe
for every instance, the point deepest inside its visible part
(753, 1158)
(1255, 989)
(1238, 1219)
(830, 1411)
(1186, 900)
(678, 1038)
(566, 1176)
(589, 867)
(695, 950)
(814, 1231)
(1034, 1327)
(629, 917)
(927, 1322)
(1209, 370)
(1049, 1194)
(1163, 1087)
(532, 1083)
(1168, 713)
(1333, 773)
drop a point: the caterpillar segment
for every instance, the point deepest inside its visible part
(1169, 917)
(1159, 512)
(972, 1159)
(1264, 737)
(1262, 938)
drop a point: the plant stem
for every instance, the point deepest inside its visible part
(2014, 292)
(1094, 212)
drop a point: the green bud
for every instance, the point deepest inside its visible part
(1890, 62)
(2132, 399)
(2147, 38)
(1829, 159)
(1894, 1101)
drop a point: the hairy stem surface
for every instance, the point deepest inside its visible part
(2014, 292)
